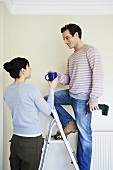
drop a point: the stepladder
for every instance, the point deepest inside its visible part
(56, 122)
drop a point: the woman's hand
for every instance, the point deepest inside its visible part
(53, 84)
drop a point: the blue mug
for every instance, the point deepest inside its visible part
(51, 76)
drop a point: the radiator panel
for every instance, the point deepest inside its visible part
(102, 158)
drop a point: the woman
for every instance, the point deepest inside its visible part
(25, 102)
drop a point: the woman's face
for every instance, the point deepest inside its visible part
(27, 72)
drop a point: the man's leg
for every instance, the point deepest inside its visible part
(62, 98)
(84, 148)
(68, 123)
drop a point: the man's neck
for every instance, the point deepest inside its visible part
(79, 46)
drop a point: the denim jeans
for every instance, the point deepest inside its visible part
(84, 147)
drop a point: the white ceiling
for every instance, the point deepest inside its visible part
(60, 7)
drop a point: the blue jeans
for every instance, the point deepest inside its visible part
(84, 148)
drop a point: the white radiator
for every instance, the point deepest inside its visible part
(102, 158)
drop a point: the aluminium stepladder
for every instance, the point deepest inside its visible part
(56, 121)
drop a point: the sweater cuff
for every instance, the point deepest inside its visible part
(60, 76)
(51, 91)
(93, 100)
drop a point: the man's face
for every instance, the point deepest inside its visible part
(70, 40)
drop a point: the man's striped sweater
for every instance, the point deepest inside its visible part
(84, 74)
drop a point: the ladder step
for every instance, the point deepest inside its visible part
(53, 140)
(49, 139)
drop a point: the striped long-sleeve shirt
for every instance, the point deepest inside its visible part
(84, 74)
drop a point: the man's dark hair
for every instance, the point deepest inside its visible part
(73, 28)
(15, 65)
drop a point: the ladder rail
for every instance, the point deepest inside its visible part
(55, 121)
(67, 144)
(46, 145)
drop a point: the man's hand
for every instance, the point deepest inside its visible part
(93, 106)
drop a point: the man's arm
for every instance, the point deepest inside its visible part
(64, 78)
(95, 63)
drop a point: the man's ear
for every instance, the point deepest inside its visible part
(76, 34)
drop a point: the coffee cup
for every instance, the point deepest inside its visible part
(51, 76)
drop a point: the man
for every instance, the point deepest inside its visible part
(85, 79)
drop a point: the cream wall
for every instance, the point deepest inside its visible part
(1, 86)
(39, 39)
(7, 117)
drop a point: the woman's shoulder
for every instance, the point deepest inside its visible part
(21, 86)
(30, 85)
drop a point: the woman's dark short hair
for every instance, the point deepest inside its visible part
(15, 65)
(73, 28)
